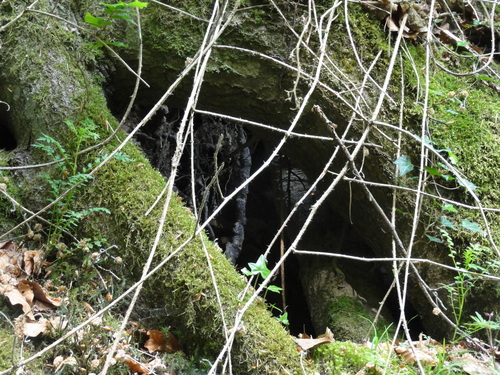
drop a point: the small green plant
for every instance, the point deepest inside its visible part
(69, 174)
(472, 259)
(260, 269)
(459, 290)
(119, 11)
(489, 325)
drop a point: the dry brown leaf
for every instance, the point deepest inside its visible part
(157, 342)
(472, 365)
(42, 325)
(424, 351)
(33, 329)
(16, 298)
(9, 246)
(32, 261)
(391, 25)
(7, 280)
(27, 292)
(10, 262)
(306, 344)
(134, 365)
(40, 295)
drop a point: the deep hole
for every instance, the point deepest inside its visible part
(382, 276)
(7, 139)
(263, 218)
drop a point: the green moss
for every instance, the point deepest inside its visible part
(186, 276)
(6, 345)
(342, 357)
(350, 320)
(463, 118)
(463, 114)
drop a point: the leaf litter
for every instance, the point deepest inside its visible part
(39, 317)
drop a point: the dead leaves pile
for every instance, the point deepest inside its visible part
(40, 316)
(157, 342)
(430, 352)
(16, 265)
(447, 31)
(459, 356)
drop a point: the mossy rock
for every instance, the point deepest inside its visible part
(350, 320)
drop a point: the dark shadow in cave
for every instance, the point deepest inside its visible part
(262, 218)
(381, 275)
(7, 140)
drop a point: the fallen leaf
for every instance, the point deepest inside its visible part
(16, 298)
(10, 262)
(27, 292)
(7, 279)
(33, 329)
(424, 351)
(32, 261)
(9, 246)
(134, 365)
(473, 366)
(40, 295)
(309, 343)
(157, 342)
(391, 25)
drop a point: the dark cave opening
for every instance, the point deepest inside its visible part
(264, 205)
(7, 139)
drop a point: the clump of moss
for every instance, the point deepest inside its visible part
(342, 357)
(350, 320)
(6, 345)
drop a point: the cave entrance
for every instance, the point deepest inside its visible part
(220, 158)
(7, 140)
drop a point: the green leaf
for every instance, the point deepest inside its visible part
(486, 78)
(427, 141)
(447, 223)
(283, 319)
(117, 44)
(462, 44)
(259, 268)
(449, 207)
(274, 288)
(448, 177)
(122, 157)
(473, 227)
(96, 21)
(453, 157)
(404, 164)
(444, 166)
(111, 8)
(246, 272)
(137, 4)
(433, 171)
(466, 184)
(433, 239)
